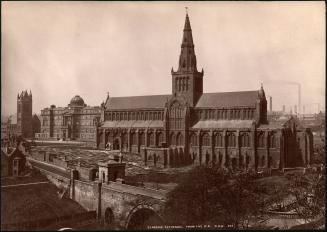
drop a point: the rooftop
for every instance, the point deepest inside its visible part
(34, 202)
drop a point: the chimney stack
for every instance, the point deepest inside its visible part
(299, 96)
(295, 109)
(270, 104)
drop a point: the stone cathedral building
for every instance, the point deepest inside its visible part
(189, 126)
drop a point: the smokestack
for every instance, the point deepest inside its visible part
(295, 109)
(270, 104)
(299, 92)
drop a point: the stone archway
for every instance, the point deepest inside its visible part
(143, 216)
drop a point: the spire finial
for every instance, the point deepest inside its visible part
(261, 85)
(186, 9)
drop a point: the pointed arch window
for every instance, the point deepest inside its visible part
(179, 139)
(205, 140)
(151, 139)
(142, 138)
(273, 141)
(194, 139)
(160, 138)
(231, 140)
(245, 140)
(172, 139)
(218, 140)
(261, 139)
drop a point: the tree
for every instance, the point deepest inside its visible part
(214, 196)
(309, 192)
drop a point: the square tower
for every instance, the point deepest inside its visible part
(24, 114)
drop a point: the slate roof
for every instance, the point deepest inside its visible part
(217, 100)
(133, 124)
(228, 99)
(137, 102)
(207, 124)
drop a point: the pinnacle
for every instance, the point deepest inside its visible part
(187, 26)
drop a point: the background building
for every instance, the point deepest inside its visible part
(24, 114)
(188, 126)
(8, 128)
(75, 122)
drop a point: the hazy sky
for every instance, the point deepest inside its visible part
(60, 49)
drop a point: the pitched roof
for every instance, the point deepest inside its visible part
(133, 124)
(228, 99)
(207, 124)
(137, 102)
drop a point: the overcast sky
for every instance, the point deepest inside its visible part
(60, 49)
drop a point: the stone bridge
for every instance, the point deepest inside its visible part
(118, 205)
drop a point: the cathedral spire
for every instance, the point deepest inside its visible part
(187, 59)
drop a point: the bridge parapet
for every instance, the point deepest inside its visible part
(116, 203)
(124, 188)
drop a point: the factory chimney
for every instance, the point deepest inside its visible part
(299, 92)
(270, 104)
(295, 109)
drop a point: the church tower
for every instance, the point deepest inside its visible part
(187, 82)
(24, 114)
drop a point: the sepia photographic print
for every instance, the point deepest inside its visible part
(162, 115)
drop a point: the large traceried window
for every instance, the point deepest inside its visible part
(245, 140)
(172, 139)
(205, 139)
(193, 140)
(231, 140)
(261, 139)
(273, 140)
(176, 116)
(151, 139)
(179, 139)
(219, 140)
(160, 138)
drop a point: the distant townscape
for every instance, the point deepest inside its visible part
(125, 162)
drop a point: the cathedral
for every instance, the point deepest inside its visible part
(188, 126)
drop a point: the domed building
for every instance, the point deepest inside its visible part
(77, 121)
(77, 101)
